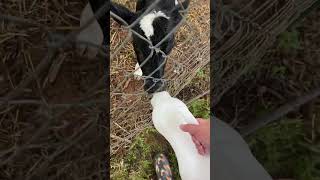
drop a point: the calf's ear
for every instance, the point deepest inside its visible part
(123, 15)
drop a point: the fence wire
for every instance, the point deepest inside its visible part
(243, 32)
(53, 100)
(130, 105)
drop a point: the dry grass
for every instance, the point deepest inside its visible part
(130, 107)
(71, 78)
(42, 125)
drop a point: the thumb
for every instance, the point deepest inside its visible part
(190, 128)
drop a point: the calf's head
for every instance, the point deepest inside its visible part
(153, 24)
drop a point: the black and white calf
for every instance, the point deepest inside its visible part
(153, 26)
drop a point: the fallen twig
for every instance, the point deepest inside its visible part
(280, 112)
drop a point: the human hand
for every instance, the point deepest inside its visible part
(200, 135)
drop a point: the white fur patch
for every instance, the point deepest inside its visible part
(176, 2)
(138, 72)
(147, 20)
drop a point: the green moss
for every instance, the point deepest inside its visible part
(138, 163)
(289, 40)
(200, 108)
(201, 74)
(279, 148)
(279, 72)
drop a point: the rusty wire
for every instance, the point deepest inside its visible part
(130, 109)
(41, 130)
(243, 32)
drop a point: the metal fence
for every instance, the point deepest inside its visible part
(53, 101)
(243, 32)
(130, 105)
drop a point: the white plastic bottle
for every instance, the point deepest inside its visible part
(168, 114)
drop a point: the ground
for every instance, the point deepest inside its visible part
(138, 162)
(288, 148)
(288, 69)
(130, 106)
(33, 135)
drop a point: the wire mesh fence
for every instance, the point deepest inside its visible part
(53, 100)
(130, 107)
(243, 32)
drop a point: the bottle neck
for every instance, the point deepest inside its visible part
(159, 97)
